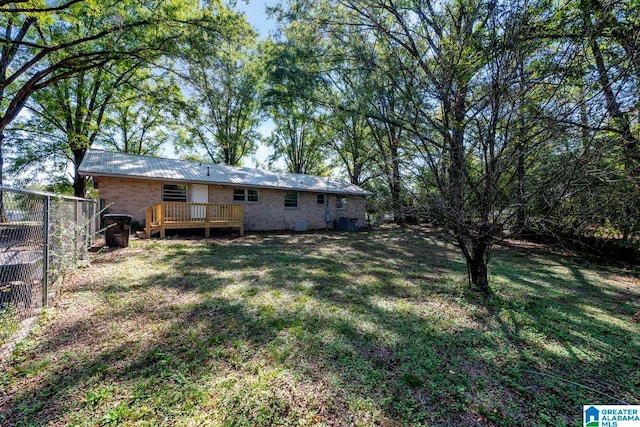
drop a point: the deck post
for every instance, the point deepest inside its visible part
(147, 223)
(160, 219)
(207, 219)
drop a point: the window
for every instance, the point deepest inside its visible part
(291, 199)
(321, 199)
(252, 195)
(341, 202)
(174, 193)
(244, 195)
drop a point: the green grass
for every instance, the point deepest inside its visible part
(9, 322)
(368, 328)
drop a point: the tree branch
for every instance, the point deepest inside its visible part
(33, 9)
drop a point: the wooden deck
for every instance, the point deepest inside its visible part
(170, 215)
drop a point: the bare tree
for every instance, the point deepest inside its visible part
(477, 121)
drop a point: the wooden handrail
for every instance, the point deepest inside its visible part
(187, 212)
(164, 215)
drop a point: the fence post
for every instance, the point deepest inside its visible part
(76, 240)
(97, 211)
(45, 251)
(93, 223)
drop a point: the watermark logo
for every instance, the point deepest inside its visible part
(592, 417)
(611, 416)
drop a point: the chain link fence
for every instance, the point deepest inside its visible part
(42, 237)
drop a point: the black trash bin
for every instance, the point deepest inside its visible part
(117, 231)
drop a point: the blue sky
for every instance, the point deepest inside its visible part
(254, 11)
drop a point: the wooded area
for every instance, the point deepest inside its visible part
(489, 119)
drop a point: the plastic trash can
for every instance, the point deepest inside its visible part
(117, 231)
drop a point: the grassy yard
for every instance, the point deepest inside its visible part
(368, 328)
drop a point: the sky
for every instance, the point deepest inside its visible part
(254, 11)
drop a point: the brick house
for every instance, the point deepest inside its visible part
(187, 194)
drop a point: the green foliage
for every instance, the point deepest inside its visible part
(486, 112)
(67, 117)
(144, 118)
(60, 186)
(101, 54)
(292, 83)
(224, 84)
(9, 321)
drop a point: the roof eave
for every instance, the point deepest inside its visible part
(229, 184)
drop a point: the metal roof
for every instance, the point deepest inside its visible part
(105, 163)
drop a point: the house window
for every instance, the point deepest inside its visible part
(245, 195)
(320, 199)
(238, 195)
(174, 193)
(291, 199)
(341, 202)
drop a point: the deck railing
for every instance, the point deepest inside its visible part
(190, 214)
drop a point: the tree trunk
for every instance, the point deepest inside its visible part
(456, 112)
(521, 218)
(2, 215)
(1, 156)
(395, 185)
(629, 142)
(79, 182)
(477, 263)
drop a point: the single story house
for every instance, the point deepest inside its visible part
(166, 193)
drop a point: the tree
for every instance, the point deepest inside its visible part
(292, 99)
(364, 111)
(66, 117)
(606, 23)
(225, 83)
(101, 48)
(387, 110)
(297, 141)
(347, 134)
(144, 118)
(477, 124)
(603, 199)
(518, 113)
(44, 43)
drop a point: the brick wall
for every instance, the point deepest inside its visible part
(131, 196)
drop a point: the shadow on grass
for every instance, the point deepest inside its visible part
(334, 329)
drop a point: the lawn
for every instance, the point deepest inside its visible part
(367, 328)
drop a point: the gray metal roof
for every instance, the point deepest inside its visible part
(106, 163)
